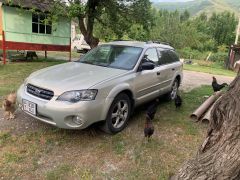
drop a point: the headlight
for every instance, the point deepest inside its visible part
(80, 95)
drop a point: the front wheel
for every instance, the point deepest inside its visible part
(118, 114)
(172, 95)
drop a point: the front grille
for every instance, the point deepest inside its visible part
(40, 92)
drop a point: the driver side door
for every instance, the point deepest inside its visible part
(147, 81)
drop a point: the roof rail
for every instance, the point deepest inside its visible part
(158, 42)
(122, 40)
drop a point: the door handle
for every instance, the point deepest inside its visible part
(158, 73)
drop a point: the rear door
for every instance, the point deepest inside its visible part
(167, 63)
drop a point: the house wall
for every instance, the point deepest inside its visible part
(17, 25)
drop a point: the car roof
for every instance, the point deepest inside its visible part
(141, 44)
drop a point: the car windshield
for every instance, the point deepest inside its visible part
(114, 56)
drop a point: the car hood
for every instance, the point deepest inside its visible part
(72, 76)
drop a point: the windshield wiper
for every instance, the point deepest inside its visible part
(103, 65)
(85, 62)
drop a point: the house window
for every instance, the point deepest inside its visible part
(40, 24)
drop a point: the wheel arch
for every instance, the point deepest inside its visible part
(123, 88)
(178, 77)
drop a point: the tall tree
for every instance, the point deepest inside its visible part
(117, 15)
(222, 27)
(185, 16)
(219, 155)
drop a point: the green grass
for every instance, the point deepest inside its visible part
(12, 158)
(12, 75)
(52, 153)
(4, 138)
(58, 172)
(211, 69)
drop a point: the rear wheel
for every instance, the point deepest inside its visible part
(172, 95)
(118, 114)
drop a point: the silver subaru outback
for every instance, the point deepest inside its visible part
(104, 85)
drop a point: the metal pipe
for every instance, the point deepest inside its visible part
(199, 112)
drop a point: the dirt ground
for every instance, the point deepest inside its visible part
(51, 152)
(192, 79)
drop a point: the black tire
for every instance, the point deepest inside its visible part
(174, 89)
(122, 115)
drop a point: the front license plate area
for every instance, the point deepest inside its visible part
(29, 107)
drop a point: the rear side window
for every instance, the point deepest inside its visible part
(167, 56)
(173, 56)
(163, 57)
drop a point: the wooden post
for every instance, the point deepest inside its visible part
(4, 47)
(70, 50)
(45, 55)
(237, 33)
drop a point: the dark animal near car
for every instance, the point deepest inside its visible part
(31, 54)
(178, 101)
(152, 109)
(149, 128)
(217, 87)
(150, 114)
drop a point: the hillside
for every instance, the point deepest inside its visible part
(195, 7)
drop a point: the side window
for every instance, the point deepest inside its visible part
(151, 55)
(173, 56)
(163, 57)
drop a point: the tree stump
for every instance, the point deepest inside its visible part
(218, 158)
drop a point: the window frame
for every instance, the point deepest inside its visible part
(39, 23)
(157, 62)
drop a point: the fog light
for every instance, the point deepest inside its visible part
(77, 120)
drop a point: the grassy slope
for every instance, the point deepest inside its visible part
(53, 153)
(198, 6)
(215, 69)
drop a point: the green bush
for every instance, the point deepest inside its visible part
(218, 57)
(188, 53)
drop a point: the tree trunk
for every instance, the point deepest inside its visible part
(87, 28)
(88, 35)
(219, 156)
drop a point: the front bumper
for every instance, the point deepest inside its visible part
(61, 114)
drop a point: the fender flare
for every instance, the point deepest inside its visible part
(111, 96)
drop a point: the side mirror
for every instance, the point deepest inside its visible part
(147, 66)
